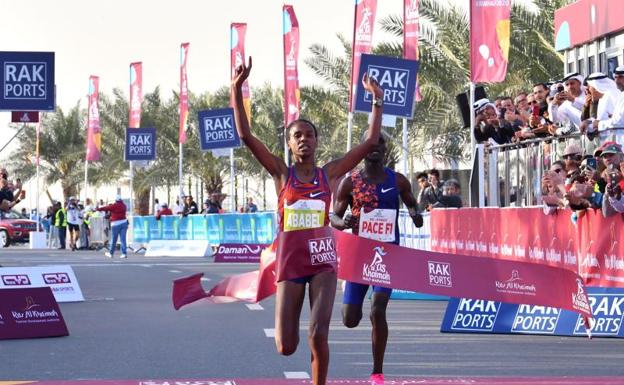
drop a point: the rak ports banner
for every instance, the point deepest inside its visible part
(140, 144)
(217, 129)
(593, 247)
(479, 316)
(27, 81)
(30, 313)
(397, 79)
(236, 252)
(490, 32)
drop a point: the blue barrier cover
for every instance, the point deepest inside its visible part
(480, 316)
(216, 228)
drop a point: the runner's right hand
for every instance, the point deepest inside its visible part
(350, 221)
(241, 74)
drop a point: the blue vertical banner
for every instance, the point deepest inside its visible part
(27, 81)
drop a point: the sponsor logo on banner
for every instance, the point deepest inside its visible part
(140, 144)
(569, 255)
(364, 31)
(535, 319)
(607, 311)
(322, 250)
(33, 313)
(16, 280)
(376, 272)
(55, 278)
(579, 299)
(238, 252)
(475, 315)
(439, 274)
(411, 10)
(25, 80)
(515, 285)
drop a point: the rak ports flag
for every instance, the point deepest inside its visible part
(140, 144)
(363, 26)
(136, 94)
(396, 77)
(217, 129)
(490, 30)
(94, 131)
(292, 96)
(184, 103)
(237, 57)
(27, 81)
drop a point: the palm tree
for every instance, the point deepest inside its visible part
(62, 150)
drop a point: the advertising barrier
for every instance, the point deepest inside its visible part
(30, 313)
(251, 228)
(236, 252)
(479, 316)
(60, 279)
(592, 247)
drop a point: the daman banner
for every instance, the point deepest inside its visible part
(236, 252)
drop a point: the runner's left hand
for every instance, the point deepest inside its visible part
(418, 220)
(350, 221)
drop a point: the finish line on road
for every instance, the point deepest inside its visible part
(398, 381)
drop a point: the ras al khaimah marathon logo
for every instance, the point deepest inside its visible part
(376, 272)
(515, 285)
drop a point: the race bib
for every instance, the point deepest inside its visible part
(304, 214)
(378, 224)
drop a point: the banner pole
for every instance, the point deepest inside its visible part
(404, 149)
(349, 130)
(180, 181)
(37, 205)
(131, 188)
(85, 179)
(232, 203)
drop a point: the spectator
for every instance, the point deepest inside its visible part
(164, 210)
(539, 118)
(553, 187)
(488, 127)
(616, 119)
(119, 225)
(74, 221)
(434, 191)
(605, 90)
(612, 157)
(567, 104)
(60, 222)
(214, 206)
(451, 195)
(7, 198)
(572, 155)
(53, 240)
(251, 206)
(423, 183)
(156, 206)
(178, 209)
(24, 213)
(190, 207)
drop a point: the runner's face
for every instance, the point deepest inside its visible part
(378, 151)
(302, 140)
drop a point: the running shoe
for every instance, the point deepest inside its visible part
(108, 255)
(377, 379)
(123, 256)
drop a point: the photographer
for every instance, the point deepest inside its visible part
(539, 121)
(611, 155)
(605, 92)
(489, 127)
(567, 104)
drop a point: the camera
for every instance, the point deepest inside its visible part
(560, 88)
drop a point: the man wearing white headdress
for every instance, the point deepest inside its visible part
(606, 91)
(617, 118)
(567, 104)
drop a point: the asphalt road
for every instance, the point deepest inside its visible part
(127, 329)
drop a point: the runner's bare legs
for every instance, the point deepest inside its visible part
(380, 329)
(288, 303)
(322, 295)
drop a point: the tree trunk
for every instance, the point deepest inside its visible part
(142, 201)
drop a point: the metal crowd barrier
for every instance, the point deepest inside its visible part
(510, 174)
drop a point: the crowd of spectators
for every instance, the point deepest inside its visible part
(436, 193)
(572, 105)
(582, 181)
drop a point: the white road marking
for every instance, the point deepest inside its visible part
(254, 306)
(174, 271)
(205, 279)
(269, 333)
(296, 375)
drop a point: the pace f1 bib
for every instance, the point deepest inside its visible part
(378, 224)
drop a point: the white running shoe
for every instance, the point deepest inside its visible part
(123, 256)
(108, 255)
